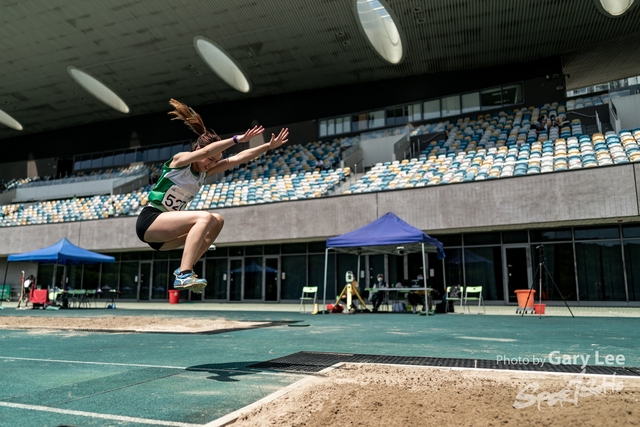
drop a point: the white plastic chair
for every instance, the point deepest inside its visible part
(309, 293)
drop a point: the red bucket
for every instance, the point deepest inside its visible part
(174, 296)
(539, 308)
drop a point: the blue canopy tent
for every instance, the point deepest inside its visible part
(63, 252)
(386, 235)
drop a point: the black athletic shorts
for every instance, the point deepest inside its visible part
(145, 219)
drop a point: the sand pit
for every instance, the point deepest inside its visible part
(372, 395)
(124, 323)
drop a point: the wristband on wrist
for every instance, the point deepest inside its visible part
(235, 139)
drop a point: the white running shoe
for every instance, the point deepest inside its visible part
(188, 281)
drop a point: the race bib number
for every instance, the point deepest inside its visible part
(176, 198)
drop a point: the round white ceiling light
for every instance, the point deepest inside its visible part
(9, 121)
(222, 64)
(97, 89)
(614, 8)
(380, 29)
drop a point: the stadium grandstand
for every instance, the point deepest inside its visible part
(510, 134)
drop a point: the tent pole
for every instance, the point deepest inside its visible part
(444, 276)
(55, 273)
(424, 279)
(4, 282)
(326, 267)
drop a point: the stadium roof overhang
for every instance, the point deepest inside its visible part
(143, 52)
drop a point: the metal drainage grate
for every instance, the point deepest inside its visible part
(306, 361)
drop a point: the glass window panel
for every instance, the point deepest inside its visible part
(631, 255)
(175, 254)
(130, 256)
(216, 272)
(253, 250)
(157, 255)
(431, 109)
(391, 116)
(359, 122)
(317, 246)
(470, 102)
(345, 262)
(550, 235)
(558, 269)
(271, 277)
(596, 233)
(482, 239)
(295, 269)
(415, 266)
(376, 266)
(515, 236)
(74, 276)
(91, 276)
(316, 276)
(437, 281)
(332, 279)
(294, 248)
(396, 270)
(600, 271)
(450, 105)
(128, 287)
(376, 119)
(235, 279)
(449, 239)
(219, 252)
(272, 249)
(331, 127)
(45, 275)
(483, 267)
(491, 98)
(146, 255)
(339, 125)
(236, 251)
(346, 124)
(453, 266)
(253, 278)
(631, 231)
(512, 94)
(415, 112)
(110, 274)
(403, 118)
(161, 277)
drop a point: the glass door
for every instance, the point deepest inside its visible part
(236, 268)
(253, 274)
(216, 275)
(144, 280)
(516, 270)
(271, 278)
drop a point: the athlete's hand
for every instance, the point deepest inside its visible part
(257, 130)
(277, 141)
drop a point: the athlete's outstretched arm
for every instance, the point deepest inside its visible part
(248, 154)
(188, 157)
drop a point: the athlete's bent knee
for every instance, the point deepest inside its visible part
(219, 219)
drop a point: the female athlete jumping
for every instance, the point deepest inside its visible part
(163, 223)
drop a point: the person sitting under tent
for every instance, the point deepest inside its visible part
(378, 297)
(417, 297)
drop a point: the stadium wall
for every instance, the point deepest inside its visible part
(605, 195)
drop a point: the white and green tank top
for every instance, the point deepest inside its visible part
(176, 187)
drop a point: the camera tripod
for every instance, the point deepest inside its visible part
(540, 270)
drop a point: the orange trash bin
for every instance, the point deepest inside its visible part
(522, 295)
(174, 296)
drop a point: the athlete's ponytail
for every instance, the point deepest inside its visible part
(195, 123)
